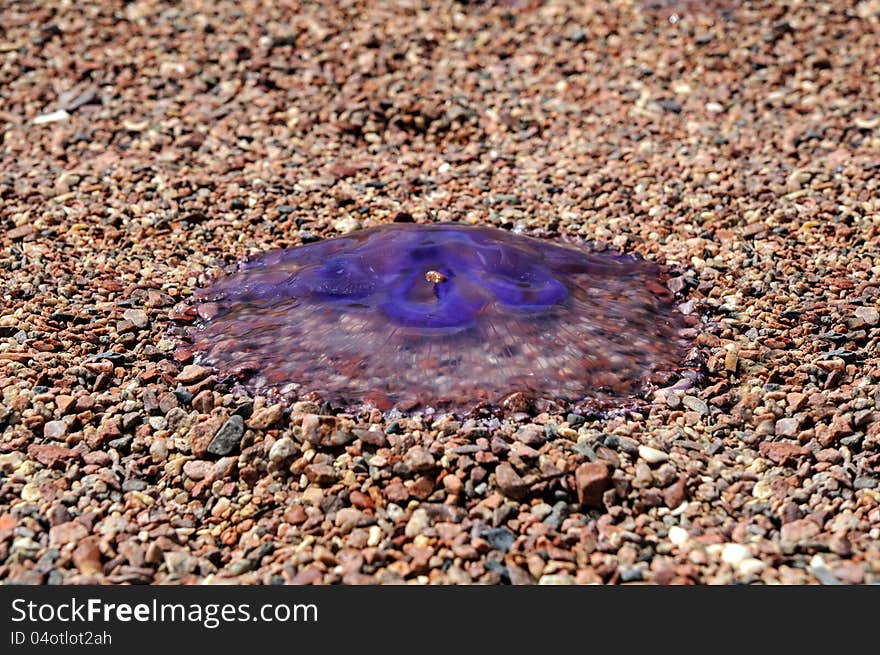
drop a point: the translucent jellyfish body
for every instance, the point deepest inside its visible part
(441, 316)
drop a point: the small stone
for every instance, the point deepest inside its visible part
(138, 317)
(372, 437)
(265, 417)
(787, 427)
(396, 492)
(55, 430)
(783, 452)
(326, 430)
(159, 450)
(193, 373)
(167, 402)
(556, 579)
(63, 403)
(765, 428)
(67, 533)
(203, 401)
(228, 437)
(750, 566)
(733, 554)
(87, 557)
(347, 518)
(695, 404)
(652, 455)
(418, 523)
(282, 450)
(313, 495)
(592, 480)
(541, 511)
(346, 225)
(676, 493)
(51, 454)
(52, 117)
(30, 493)
(509, 482)
(321, 474)
(361, 500)
(197, 469)
(532, 435)
(180, 562)
(374, 536)
(418, 459)
(499, 538)
(864, 482)
(731, 360)
(295, 514)
(678, 535)
(157, 422)
(241, 566)
(869, 315)
(799, 531)
(422, 487)
(15, 234)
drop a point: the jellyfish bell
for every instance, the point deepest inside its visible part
(445, 316)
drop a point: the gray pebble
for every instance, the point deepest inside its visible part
(228, 437)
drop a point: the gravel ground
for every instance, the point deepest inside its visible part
(147, 145)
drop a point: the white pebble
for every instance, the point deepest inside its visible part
(346, 225)
(375, 536)
(678, 535)
(556, 579)
(282, 450)
(652, 455)
(750, 566)
(734, 554)
(53, 117)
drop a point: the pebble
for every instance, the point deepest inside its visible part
(734, 554)
(374, 537)
(783, 452)
(158, 422)
(652, 455)
(799, 531)
(869, 315)
(55, 430)
(787, 427)
(541, 510)
(159, 450)
(52, 117)
(678, 536)
(66, 533)
(321, 474)
(695, 404)
(418, 459)
(282, 450)
(346, 225)
(198, 469)
(30, 492)
(228, 437)
(750, 566)
(265, 417)
(592, 479)
(138, 317)
(676, 493)
(193, 373)
(417, 524)
(556, 579)
(509, 482)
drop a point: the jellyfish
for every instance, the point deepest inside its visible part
(441, 316)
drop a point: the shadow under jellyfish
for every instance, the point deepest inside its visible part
(441, 316)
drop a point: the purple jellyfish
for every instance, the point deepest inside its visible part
(441, 316)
